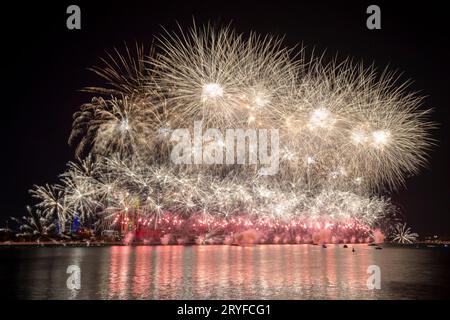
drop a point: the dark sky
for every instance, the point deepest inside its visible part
(44, 65)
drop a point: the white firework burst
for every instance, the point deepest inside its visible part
(403, 234)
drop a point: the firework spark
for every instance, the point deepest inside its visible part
(346, 134)
(403, 234)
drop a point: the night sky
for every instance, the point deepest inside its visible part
(44, 66)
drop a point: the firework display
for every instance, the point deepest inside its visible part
(403, 234)
(347, 134)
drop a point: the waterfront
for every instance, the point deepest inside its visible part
(225, 272)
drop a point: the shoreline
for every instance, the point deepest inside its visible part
(118, 243)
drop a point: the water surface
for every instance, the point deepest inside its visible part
(225, 272)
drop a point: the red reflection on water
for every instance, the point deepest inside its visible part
(277, 271)
(118, 275)
(169, 271)
(248, 267)
(201, 269)
(142, 272)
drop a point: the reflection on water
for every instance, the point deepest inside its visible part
(225, 272)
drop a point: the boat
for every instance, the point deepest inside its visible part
(378, 248)
(324, 246)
